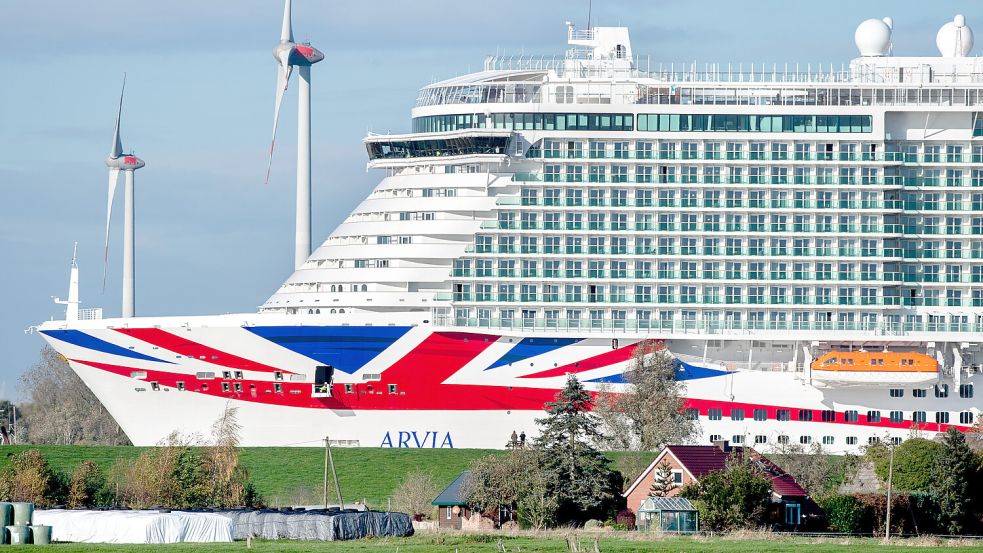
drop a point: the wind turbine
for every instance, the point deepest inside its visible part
(288, 55)
(128, 164)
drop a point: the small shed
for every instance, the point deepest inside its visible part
(668, 514)
(451, 504)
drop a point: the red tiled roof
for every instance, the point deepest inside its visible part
(702, 459)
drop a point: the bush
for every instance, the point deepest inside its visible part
(414, 494)
(87, 487)
(731, 499)
(626, 518)
(913, 463)
(28, 477)
(844, 513)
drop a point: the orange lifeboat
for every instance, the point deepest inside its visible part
(869, 367)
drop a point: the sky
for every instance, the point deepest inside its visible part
(211, 237)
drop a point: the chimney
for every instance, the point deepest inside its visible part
(724, 445)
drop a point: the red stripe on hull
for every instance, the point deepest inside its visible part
(596, 362)
(182, 346)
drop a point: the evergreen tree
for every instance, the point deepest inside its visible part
(664, 480)
(955, 466)
(576, 472)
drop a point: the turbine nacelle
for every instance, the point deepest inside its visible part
(296, 55)
(125, 163)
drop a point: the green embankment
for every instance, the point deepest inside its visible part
(294, 475)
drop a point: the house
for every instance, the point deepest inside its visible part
(689, 463)
(453, 511)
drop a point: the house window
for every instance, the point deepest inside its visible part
(448, 512)
(793, 514)
(677, 477)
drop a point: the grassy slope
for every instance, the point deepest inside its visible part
(457, 543)
(291, 475)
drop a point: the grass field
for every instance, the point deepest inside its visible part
(293, 475)
(556, 542)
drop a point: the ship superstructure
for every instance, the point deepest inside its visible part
(545, 215)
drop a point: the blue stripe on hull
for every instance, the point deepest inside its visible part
(531, 347)
(83, 340)
(684, 371)
(346, 348)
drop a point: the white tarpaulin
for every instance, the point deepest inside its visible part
(135, 526)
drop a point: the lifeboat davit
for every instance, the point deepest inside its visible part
(867, 367)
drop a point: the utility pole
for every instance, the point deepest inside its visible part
(328, 458)
(890, 475)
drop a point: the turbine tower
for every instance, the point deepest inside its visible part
(288, 55)
(128, 164)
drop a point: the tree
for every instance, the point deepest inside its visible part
(415, 494)
(734, 498)
(226, 478)
(810, 468)
(955, 466)
(664, 482)
(62, 410)
(914, 463)
(29, 477)
(87, 487)
(515, 480)
(649, 414)
(577, 473)
(844, 513)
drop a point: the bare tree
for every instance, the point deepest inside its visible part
(650, 413)
(810, 467)
(415, 494)
(227, 477)
(61, 409)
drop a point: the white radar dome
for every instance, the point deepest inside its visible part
(955, 38)
(873, 37)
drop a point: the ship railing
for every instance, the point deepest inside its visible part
(750, 329)
(90, 314)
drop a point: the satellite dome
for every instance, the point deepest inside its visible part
(873, 37)
(955, 38)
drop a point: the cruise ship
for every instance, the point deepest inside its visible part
(806, 241)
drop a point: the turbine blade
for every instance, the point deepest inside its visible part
(117, 149)
(286, 31)
(113, 177)
(283, 79)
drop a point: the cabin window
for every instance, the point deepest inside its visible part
(942, 417)
(278, 388)
(851, 440)
(392, 388)
(829, 415)
(919, 392)
(874, 416)
(918, 416)
(737, 414)
(180, 385)
(805, 440)
(715, 438)
(805, 415)
(155, 386)
(692, 414)
(737, 439)
(760, 415)
(966, 391)
(897, 416)
(349, 388)
(225, 386)
(828, 440)
(782, 415)
(896, 392)
(760, 439)
(714, 414)
(238, 375)
(782, 439)
(966, 417)
(896, 440)
(204, 387)
(237, 386)
(850, 416)
(873, 440)
(941, 390)
(226, 375)
(277, 375)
